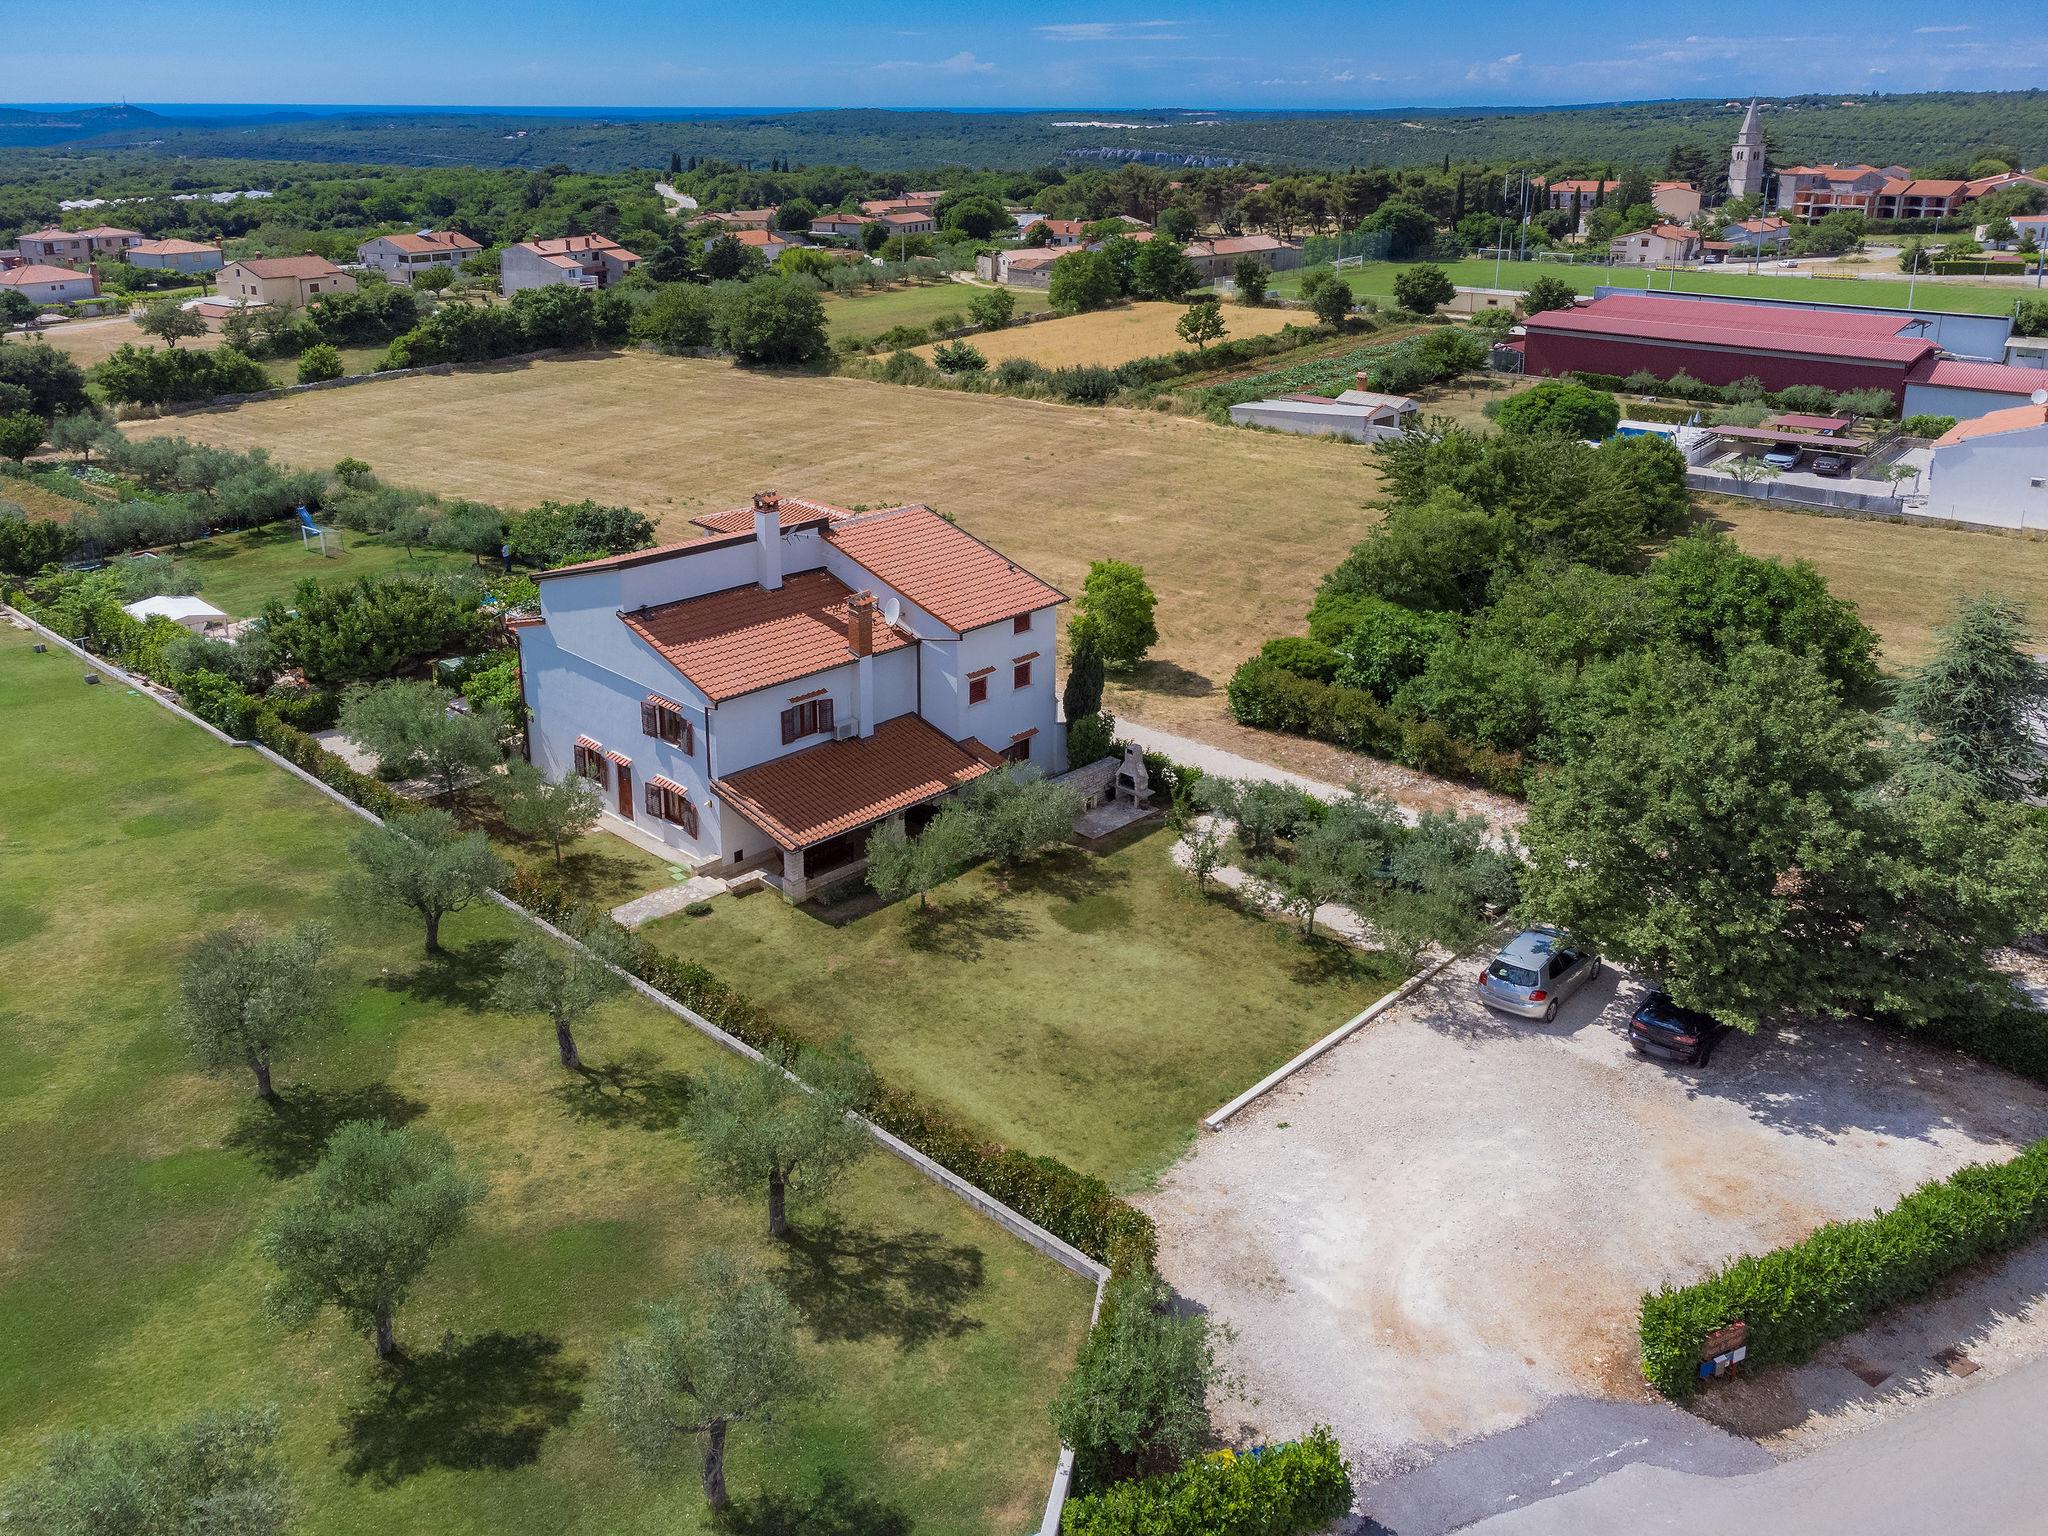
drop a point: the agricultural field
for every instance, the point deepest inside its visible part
(94, 341)
(1165, 1003)
(865, 316)
(1111, 336)
(1376, 280)
(1234, 528)
(131, 1286)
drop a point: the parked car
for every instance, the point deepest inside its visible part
(1660, 1027)
(1534, 972)
(1782, 458)
(1833, 465)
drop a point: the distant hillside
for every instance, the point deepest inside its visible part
(21, 128)
(1917, 130)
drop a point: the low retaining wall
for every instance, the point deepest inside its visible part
(1061, 1252)
(1847, 503)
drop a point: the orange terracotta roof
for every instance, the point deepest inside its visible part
(569, 244)
(2015, 418)
(941, 567)
(839, 786)
(746, 638)
(33, 272)
(429, 241)
(289, 266)
(172, 248)
(758, 237)
(796, 511)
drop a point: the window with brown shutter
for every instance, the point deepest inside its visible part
(650, 718)
(1020, 675)
(661, 719)
(592, 764)
(1021, 625)
(1018, 751)
(655, 795)
(977, 690)
(807, 719)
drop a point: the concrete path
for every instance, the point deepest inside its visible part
(645, 909)
(1968, 1463)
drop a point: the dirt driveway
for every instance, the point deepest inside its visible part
(1446, 1222)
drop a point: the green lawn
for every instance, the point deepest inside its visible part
(240, 572)
(1094, 1010)
(870, 314)
(285, 370)
(130, 1285)
(1376, 280)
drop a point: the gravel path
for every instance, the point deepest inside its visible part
(1446, 1223)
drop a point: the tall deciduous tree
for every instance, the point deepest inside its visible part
(1969, 712)
(553, 813)
(560, 982)
(376, 1209)
(427, 863)
(218, 1474)
(1201, 323)
(757, 1128)
(1548, 293)
(1116, 605)
(1251, 279)
(721, 1354)
(245, 995)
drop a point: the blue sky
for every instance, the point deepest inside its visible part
(1284, 53)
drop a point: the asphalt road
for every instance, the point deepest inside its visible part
(1965, 1465)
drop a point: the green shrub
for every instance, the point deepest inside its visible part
(221, 702)
(1015, 372)
(1798, 1298)
(1926, 426)
(318, 364)
(959, 357)
(1301, 1486)
(1085, 384)
(1089, 739)
(898, 337)
(907, 368)
(1303, 657)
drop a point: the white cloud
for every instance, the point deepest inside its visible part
(1923, 31)
(1500, 69)
(1108, 31)
(962, 63)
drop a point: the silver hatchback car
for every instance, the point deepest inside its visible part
(1534, 972)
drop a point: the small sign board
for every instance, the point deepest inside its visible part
(1724, 1349)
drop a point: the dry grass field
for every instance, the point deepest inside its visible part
(1233, 528)
(94, 341)
(1112, 336)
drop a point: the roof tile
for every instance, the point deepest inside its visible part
(839, 786)
(941, 567)
(747, 638)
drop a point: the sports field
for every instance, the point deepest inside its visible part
(1234, 528)
(1111, 336)
(1376, 280)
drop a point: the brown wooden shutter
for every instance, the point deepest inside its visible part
(653, 798)
(650, 719)
(788, 725)
(689, 738)
(825, 715)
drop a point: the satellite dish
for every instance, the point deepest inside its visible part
(892, 606)
(2041, 397)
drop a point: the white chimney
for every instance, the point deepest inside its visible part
(768, 539)
(860, 624)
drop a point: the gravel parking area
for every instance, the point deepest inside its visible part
(1447, 1222)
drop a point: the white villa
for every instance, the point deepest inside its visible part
(762, 696)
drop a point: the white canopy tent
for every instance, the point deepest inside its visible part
(194, 613)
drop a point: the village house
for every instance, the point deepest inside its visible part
(76, 247)
(1993, 470)
(43, 284)
(189, 256)
(740, 218)
(1678, 201)
(838, 226)
(1747, 237)
(582, 261)
(1984, 186)
(911, 221)
(288, 282)
(1027, 268)
(767, 242)
(1216, 259)
(402, 257)
(1059, 231)
(909, 202)
(1807, 193)
(1651, 247)
(765, 695)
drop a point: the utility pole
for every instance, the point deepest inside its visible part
(1501, 232)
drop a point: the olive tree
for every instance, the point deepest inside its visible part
(561, 982)
(169, 321)
(720, 1354)
(415, 732)
(427, 863)
(374, 1212)
(756, 1127)
(552, 813)
(245, 995)
(900, 865)
(217, 1474)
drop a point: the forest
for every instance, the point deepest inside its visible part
(1930, 132)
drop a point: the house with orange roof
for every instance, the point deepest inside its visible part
(580, 261)
(191, 256)
(40, 283)
(1992, 470)
(1807, 193)
(76, 247)
(764, 695)
(1655, 246)
(402, 257)
(288, 282)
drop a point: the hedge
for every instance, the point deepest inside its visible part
(1302, 1486)
(1796, 1299)
(1267, 696)
(2015, 1037)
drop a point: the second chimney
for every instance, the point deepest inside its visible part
(768, 539)
(860, 623)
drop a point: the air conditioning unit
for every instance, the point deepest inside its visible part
(846, 730)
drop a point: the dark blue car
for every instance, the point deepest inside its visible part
(1659, 1027)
